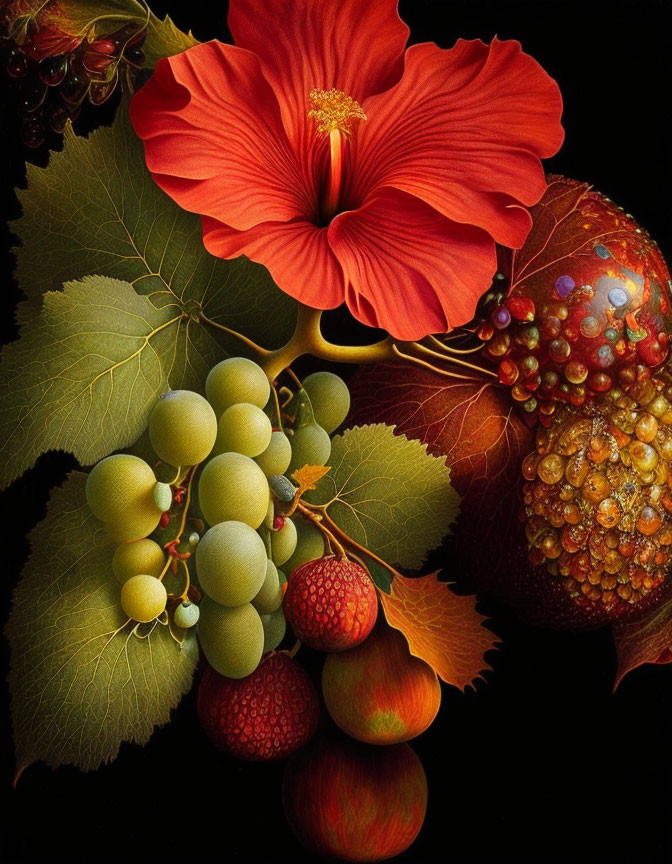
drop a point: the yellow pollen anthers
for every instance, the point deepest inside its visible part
(334, 110)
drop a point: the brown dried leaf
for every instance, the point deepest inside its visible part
(646, 640)
(441, 628)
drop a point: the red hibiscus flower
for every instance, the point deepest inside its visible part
(354, 170)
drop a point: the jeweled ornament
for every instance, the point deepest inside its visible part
(586, 296)
(597, 507)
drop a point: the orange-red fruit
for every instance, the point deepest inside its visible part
(355, 802)
(331, 603)
(267, 715)
(378, 692)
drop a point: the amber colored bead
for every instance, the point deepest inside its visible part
(576, 372)
(530, 463)
(567, 492)
(596, 487)
(646, 428)
(608, 512)
(644, 457)
(599, 449)
(507, 372)
(626, 548)
(551, 469)
(649, 520)
(520, 393)
(664, 536)
(499, 344)
(571, 513)
(577, 470)
(658, 406)
(613, 562)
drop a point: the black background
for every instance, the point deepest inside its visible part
(542, 763)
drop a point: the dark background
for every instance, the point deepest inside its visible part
(542, 763)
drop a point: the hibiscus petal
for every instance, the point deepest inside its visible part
(464, 130)
(356, 46)
(214, 139)
(410, 270)
(297, 255)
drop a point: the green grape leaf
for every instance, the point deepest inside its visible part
(164, 39)
(85, 374)
(96, 209)
(388, 494)
(81, 681)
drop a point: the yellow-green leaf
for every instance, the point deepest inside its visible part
(81, 682)
(388, 494)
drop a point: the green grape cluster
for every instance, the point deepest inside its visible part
(240, 464)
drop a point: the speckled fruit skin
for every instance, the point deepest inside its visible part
(267, 715)
(564, 316)
(355, 802)
(378, 692)
(331, 603)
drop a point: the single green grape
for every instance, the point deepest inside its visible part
(232, 639)
(231, 563)
(139, 556)
(243, 428)
(236, 379)
(120, 491)
(309, 544)
(330, 398)
(186, 615)
(163, 496)
(283, 543)
(275, 627)
(143, 597)
(269, 596)
(276, 457)
(182, 428)
(232, 486)
(311, 445)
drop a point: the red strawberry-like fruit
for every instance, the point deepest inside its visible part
(587, 295)
(267, 715)
(353, 801)
(331, 603)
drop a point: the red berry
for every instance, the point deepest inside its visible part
(267, 715)
(331, 603)
(586, 296)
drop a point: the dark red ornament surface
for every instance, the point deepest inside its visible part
(587, 295)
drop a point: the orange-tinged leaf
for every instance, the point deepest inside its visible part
(309, 476)
(645, 640)
(441, 628)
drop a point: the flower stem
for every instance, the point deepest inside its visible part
(308, 339)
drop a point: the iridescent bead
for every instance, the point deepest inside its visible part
(576, 372)
(590, 327)
(559, 350)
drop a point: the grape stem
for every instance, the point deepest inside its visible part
(171, 545)
(318, 514)
(317, 518)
